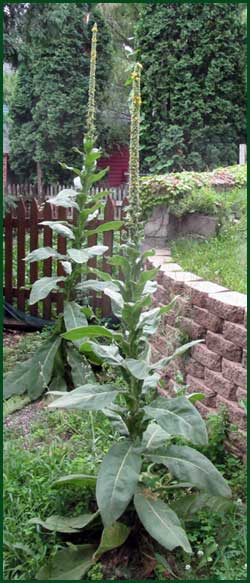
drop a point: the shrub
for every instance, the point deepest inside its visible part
(184, 192)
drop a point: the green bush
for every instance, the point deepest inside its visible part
(193, 86)
(185, 192)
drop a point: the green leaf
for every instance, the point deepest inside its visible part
(42, 287)
(83, 255)
(59, 228)
(65, 524)
(65, 199)
(148, 275)
(190, 504)
(69, 564)
(117, 302)
(138, 368)
(178, 352)
(71, 168)
(88, 397)
(73, 317)
(81, 370)
(58, 381)
(67, 267)
(185, 463)
(117, 480)
(116, 420)
(33, 375)
(178, 416)
(150, 288)
(43, 253)
(102, 274)
(110, 226)
(112, 537)
(154, 437)
(81, 480)
(92, 331)
(110, 354)
(193, 397)
(98, 176)
(96, 285)
(120, 261)
(161, 523)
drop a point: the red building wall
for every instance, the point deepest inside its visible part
(118, 162)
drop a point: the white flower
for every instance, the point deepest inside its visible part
(239, 501)
(209, 560)
(188, 567)
(200, 553)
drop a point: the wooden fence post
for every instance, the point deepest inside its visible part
(47, 264)
(61, 248)
(21, 212)
(34, 219)
(8, 235)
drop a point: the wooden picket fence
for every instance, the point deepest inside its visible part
(23, 233)
(29, 191)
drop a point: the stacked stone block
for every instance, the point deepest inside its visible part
(216, 315)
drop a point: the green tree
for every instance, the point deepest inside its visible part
(50, 101)
(193, 85)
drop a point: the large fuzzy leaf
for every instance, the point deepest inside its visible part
(190, 504)
(81, 370)
(58, 382)
(65, 524)
(188, 464)
(117, 302)
(138, 368)
(65, 198)
(43, 253)
(92, 331)
(59, 228)
(89, 397)
(161, 522)
(73, 318)
(110, 226)
(178, 416)
(75, 480)
(117, 480)
(33, 375)
(112, 537)
(98, 286)
(83, 255)
(154, 437)
(69, 564)
(163, 362)
(42, 287)
(110, 354)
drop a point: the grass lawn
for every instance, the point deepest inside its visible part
(221, 259)
(42, 445)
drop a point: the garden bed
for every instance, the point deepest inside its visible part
(41, 445)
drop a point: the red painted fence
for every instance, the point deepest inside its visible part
(22, 234)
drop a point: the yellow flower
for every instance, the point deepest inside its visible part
(94, 28)
(135, 76)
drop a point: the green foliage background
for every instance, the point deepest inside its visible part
(50, 99)
(193, 85)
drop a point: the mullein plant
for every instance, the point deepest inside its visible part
(152, 476)
(58, 364)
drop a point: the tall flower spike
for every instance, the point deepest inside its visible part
(91, 99)
(134, 209)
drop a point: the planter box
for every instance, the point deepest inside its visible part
(163, 227)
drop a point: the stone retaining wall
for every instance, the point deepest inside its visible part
(216, 367)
